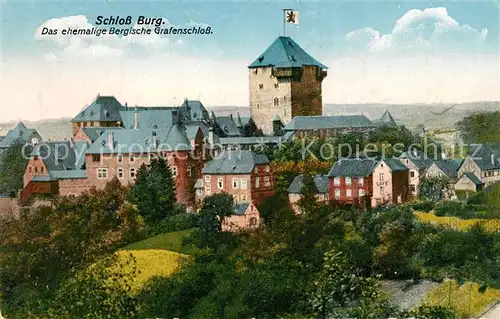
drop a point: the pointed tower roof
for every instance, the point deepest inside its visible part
(387, 119)
(285, 53)
(177, 139)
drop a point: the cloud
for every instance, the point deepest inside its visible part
(92, 46)
(430, 29)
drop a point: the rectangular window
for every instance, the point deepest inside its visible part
(235, 183)
(96, 158)
(199, 192)
(220, 183)
(349, 193)
(267, 181)
(413, 188)
(381, 176)
(337, 193)
(244, 198)
(102, 173)
(348, 181)
(41, 169)
(361, 181)
(257, 182)
(120, 172)
(208, 189)
(336, 181)
(132, 173)
(174, 171)
(207, 178)
(412, 173)
(131, 158)
(243, 183)
(29, 169)
(119, 158)
(189, 171)
(36, 169)
(261, 86)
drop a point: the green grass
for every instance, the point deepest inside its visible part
(466, 300)
(160, 255)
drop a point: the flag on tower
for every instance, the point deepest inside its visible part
(291, 16)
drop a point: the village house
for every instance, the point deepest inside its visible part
(245, 217)
(483, 163)
(447, 169)
(390, 182)
(350, 181)
(247, 176)
(294, 190)
(416, 162)
(19, 133)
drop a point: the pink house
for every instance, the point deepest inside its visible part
(390, 182)
(246, 216)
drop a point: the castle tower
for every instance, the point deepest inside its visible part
(284, 81)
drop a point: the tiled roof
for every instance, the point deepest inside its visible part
(103, 108)
(394, 164)
(19, 133)
(450, 167)
(197, 110)
(241, 208)
(285, 53)
(63, 159)
(234, 162)
(352, 167)
(321, 182)
(473, 178)
(328, 122)
(386, 120)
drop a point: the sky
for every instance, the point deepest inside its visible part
(377, 52)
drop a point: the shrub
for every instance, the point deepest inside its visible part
(175, 222)
(426, 206)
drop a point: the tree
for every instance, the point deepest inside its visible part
(434, 188)
(154, 191)
(12, 166)
(251, 129)
(480, 128)
(215, 208)
(340, 287)
(307, 201)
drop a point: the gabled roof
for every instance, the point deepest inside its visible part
(487, 157)
(102, 109)
(285, 53)
(19, 133)
(352, 167)
(228, 125)
(328, 122)
(240, 208)
(386, 120)
(63, 159)
(194, 110)
(235, 162)
(320, 181)
(177, 139)
(422, 164)
(394, 164)
(449, 167)
(473, 178)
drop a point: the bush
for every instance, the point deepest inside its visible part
(426, 206)
(176, 222)
(454, 208)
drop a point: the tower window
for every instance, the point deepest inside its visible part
(261, 86)
(258, 106)
(276, 101)
(276, 85)
(284, 112)
(255, 71)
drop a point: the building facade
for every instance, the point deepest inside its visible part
(350, 181)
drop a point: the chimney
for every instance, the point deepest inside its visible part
(136, 119)
(231, 116)
(126, 106)
(211, 136)
(110, 140)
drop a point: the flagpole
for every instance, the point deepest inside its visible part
(284, 22)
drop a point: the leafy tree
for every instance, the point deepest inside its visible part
(215, 208)
(251, 129)
(480, 128)
(154, 191)
(340, 287)
(307, 201)
(12, 166)
(434, 188)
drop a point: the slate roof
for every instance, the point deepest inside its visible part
(194, 110)
(285, 53)
(192, 130)
(252, 140)
(126, 141)
(473, 178)
(422, 164)
(63, 159)
(103, 108)
(352, 167)
(386, 120)
(419, 158)
(228, 125)
(394, 164)
(151, 118)
(240, 208)
(450, 167)
(328, 122)
(234, 162)
(487, 157)
(321, 182)
(19, 133)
